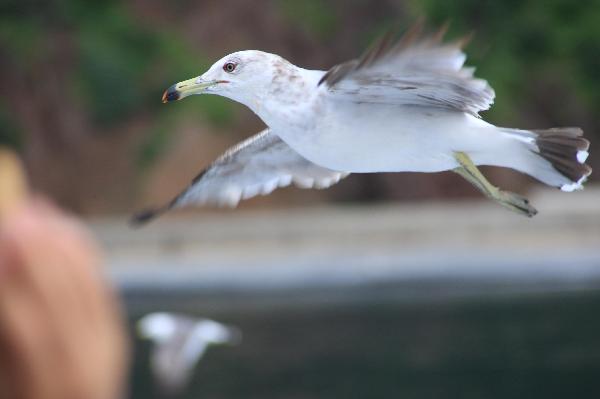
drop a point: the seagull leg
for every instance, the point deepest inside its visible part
(473, 175)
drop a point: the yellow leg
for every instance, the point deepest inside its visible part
(509, 200)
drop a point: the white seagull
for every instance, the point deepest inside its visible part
(405, 106)
(179, 343)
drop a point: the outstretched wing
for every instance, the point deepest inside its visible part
(416, 71)
(256, 166)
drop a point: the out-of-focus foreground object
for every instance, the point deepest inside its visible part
(180, 341)
(61, 330)
(12, 181)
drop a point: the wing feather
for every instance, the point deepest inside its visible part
(256, 166)
(418, 70)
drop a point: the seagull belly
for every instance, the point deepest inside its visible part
(363, 138)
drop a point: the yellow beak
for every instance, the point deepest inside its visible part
(186, 88)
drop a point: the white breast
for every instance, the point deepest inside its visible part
(366, 138)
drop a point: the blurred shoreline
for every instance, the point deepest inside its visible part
(467, 247)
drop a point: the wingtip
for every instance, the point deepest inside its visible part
(463, 41)
(144, 217)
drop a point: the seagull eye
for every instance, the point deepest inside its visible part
(229, 67)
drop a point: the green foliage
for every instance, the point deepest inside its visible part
(125, 67)
(122, 66)
(9, 131)
(316, 16)
(556, 38)
(114, 62)
(21, 40)
(20, 28)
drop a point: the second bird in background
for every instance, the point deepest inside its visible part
(179, 342)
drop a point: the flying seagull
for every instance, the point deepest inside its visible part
(409, 105)
(180, 341)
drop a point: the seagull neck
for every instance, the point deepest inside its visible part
(288, 97)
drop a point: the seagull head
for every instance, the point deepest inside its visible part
(243, 76)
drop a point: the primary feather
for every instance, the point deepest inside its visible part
(417, 70)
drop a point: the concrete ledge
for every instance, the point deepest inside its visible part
(360, 244)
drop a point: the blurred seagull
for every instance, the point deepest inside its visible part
(411, 105)
(179, 343)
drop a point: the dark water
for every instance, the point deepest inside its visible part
(314, 345)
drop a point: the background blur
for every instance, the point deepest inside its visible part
(82, 83)
(335, 298)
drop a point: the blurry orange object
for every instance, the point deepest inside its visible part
(61, 329)
(12, 181)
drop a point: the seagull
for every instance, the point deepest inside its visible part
(405, 105)
(179, 343)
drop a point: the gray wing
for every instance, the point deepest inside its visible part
(416, 71)
(256, 166)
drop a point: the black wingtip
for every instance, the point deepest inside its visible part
(144, 217)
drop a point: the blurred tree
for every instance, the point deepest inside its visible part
(76, 71)
(9, 131)
(315, 16)
(525, 46)
(81, 81)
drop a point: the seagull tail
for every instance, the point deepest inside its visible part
(557, 156)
